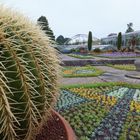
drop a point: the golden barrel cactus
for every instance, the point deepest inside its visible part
(29, 71)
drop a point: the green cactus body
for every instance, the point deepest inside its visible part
(29, 71)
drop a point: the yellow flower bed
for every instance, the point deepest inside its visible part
(95, 94)
(135, 106)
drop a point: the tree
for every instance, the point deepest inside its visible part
(89, 40)
(61, 40)
(129, 27)
(119, 41)
(43, 22)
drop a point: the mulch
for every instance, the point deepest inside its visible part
(54, 130)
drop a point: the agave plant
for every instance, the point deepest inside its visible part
(29, 71)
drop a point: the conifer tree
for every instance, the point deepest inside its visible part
(43, 22)
(119, 42)
(89, 40)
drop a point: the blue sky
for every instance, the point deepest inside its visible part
(71, 17)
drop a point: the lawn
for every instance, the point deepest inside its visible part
(102, 110)
(128, 67)
(81, 56)
(86, 71)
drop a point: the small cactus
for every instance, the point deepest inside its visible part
(29, 71)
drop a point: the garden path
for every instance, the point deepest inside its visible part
(115, 75)
(80, 80)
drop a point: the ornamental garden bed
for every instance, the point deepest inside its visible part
(102, 111)
(128, 67)
(87, 71)
(120, 55)
(95, 62)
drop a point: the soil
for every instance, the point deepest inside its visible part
(54, 130)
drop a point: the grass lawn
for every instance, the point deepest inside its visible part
(128, 67)
(81, 56)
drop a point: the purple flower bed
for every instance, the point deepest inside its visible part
(120, 54)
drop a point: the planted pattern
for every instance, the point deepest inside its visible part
(131, 128)
(136, 96)
(120, 55)
(119, 93)
(85, 117)
(111, 126)
(81, 71)
(95, 94)
(67, 100)
(109, 113)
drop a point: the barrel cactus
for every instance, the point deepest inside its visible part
(29, 71)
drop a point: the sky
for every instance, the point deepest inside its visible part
(71, 17)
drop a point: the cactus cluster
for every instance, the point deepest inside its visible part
(29, 71)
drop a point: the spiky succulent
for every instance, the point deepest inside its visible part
(29, 71)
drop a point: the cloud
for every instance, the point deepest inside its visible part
(70, 17)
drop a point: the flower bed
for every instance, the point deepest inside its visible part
(81, 56)
(110, 127)
(96, 94)
(137, 95)
(102, 112)
(131, 128)
(87, 71)
(85, 117)
(129, 67)
(120, 55)
(119, 93)
(67, 100)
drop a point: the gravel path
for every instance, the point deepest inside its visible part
(83, 80)
(115, 75)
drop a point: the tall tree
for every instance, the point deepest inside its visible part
(89, 40)
(61, 40)
(129, 27)
(119, 41)
(43, 22)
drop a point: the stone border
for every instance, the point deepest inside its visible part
(134, 76)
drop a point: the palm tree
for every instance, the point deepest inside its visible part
(129, 27)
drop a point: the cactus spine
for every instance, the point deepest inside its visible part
(29, 71)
